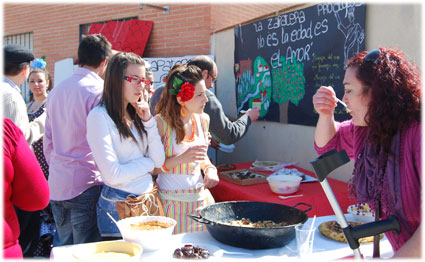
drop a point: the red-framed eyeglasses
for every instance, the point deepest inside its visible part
(136, 80)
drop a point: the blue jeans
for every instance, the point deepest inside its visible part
(75, 219)
(106, 203)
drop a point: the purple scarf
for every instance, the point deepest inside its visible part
(376, 176)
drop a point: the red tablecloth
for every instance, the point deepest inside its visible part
(312, 192)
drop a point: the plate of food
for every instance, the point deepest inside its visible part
(115, 250)
(266, 164)
(243, 177)
(332, 230)
(199, 251)
(225, 166)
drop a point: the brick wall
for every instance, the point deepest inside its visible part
(185, 30)
(227, 15)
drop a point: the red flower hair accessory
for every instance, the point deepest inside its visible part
(187, 91)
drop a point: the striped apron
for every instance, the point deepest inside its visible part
(181, 202)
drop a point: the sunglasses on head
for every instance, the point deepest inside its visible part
(372, 56)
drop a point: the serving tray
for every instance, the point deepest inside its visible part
(243, 177)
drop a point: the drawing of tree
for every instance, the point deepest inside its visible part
(288, 82)
(288, 85)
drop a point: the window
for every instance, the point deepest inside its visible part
(26, 40)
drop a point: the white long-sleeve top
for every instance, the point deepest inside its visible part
(15, 109)
(123, 164)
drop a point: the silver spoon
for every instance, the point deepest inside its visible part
(344, 104)
(285, 197)
(113, 219)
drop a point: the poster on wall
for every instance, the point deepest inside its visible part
(281, 61)
(160, 66)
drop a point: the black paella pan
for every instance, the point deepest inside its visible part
(216, 217)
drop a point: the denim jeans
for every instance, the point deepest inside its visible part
(76, 219)
(106, 203)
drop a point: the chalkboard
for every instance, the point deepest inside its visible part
(281, 61)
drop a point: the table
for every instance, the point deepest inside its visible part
(312, 192)
(323, 248)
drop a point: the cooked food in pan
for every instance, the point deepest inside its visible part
(246, 222)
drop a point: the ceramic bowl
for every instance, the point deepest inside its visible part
(284, 184)
(361, 213)
(148, 239)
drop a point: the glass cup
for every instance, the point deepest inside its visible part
(304, 239)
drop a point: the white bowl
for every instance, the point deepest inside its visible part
(284, 184)
(148, 239)
(108, 251)
(361, 213)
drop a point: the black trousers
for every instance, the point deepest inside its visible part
(29, 224)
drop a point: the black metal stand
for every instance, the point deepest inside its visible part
(322, 166)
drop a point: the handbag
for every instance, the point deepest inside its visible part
(147, 204)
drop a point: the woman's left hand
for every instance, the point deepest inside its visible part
(142, 110)
(211, 178)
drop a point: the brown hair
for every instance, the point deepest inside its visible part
(395, 85)
(93, 49)
(168, 105)
(46, 76)
(112, 96)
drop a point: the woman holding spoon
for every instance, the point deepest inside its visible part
(125, 142)
(383, 92)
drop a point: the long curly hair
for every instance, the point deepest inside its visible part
(395, 85)
(168, 106)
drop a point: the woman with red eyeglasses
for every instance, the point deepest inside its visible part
(383, 96)
(126, 145)
(183, 127)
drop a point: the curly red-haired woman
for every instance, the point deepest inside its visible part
(382, 93)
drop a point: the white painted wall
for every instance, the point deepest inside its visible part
(386, 25)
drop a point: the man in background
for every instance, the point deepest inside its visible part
(149, 88)
(16, 70)
(74, 181)
(224, 130)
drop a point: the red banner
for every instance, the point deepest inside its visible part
(128, 36)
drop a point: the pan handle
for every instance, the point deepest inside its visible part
(301, 203)
(199, 219)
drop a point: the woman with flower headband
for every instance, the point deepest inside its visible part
(184, 131)
(383, 94)
(39, 81)
(126, 145)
